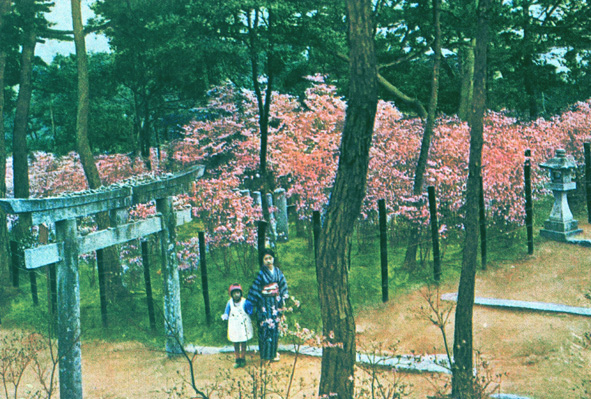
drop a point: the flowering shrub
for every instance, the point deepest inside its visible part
(228, 215)
(117, 167)
(51, 176)
(142, 211)
(303, 154)
(188, 254)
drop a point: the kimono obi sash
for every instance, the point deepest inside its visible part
(270, 290)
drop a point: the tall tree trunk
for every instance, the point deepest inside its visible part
(528, 63)
(111, 258)
(467, 83)
(21, 117)
(137, 124)
(4, 256)
(462, 380)
(146, 134)
(82, 143)
(264, 105)
(143, 125)
(345, 204)
(411, 249)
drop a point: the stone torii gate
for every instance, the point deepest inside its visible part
(63, 211)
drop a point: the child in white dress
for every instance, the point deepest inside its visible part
(239, 324)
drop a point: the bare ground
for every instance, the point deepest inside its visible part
(540, 355)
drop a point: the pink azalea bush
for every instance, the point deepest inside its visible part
(303, 154)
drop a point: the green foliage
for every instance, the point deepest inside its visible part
(127, 316)
(53, 118)
(166, 55)
(7, 295)
(529, 74)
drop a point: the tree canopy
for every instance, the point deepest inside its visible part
(166, 55)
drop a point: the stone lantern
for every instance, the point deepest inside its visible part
(560, 225)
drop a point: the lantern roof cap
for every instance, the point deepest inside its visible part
(560, 161)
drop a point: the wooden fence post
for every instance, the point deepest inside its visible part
(52, 281)
(102, 278)
(482, 209)
(587, 147)
(434, 233)
(383, 248)
(148, 283)
(14, 264)
(316, 226)
(33, 280)
(172, 302)
(204, 281)
(68, 299)
(529, 213)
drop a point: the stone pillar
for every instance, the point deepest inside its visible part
(68, 303)
(173, 320)
(256, 197)
(272, 229)
(281, 215)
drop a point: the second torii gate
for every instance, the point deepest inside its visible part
(63, 211)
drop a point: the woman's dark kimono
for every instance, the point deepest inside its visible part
(267, 294)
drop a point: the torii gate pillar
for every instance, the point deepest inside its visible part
(173, 322)
(68, 302)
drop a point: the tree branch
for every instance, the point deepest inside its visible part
(398, 93)
(395, 91)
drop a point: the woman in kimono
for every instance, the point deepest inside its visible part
(267, 295)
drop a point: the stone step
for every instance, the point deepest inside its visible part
(424, 363)
(524, 305)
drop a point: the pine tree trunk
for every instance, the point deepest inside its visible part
(21, 117)
(264, 106)
(411, 249)
(529, 77)
(82, 143)
(146, 135)
(4, 254)
(462, 380)
(467, 84)
(345, 204)
(111, 257)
